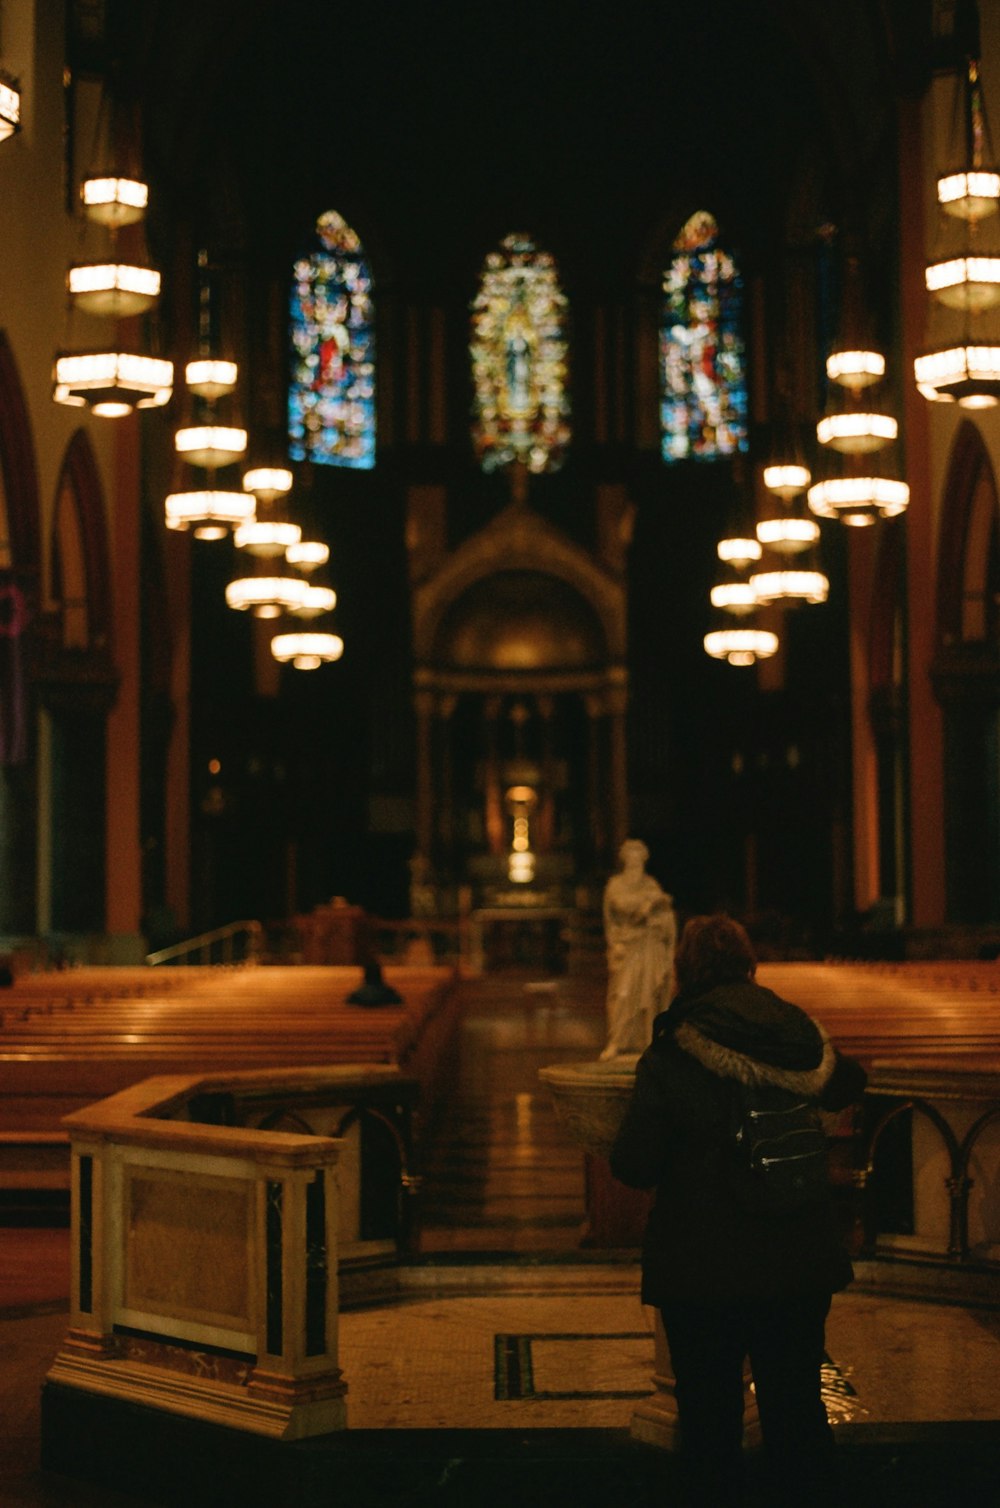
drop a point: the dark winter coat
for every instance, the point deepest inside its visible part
(677, 1135)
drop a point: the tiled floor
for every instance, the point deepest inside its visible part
(506, 1325)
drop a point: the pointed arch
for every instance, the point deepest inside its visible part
(19, 473)
(969, 546)
(331, 394)
(519, 349)
(966, 678)
(81, 569)
(703, 386)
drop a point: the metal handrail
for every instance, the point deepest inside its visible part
(203, 944)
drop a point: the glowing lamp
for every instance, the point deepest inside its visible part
(855, 369)
(115, 288)
(10, 109)
(210, 377)
(787, 481)
(308, 554)
(307, 651)
(112, 383)
(741, 646)
(210, 444)
(739, 552)
(788, 535)
(267, 482)
(208, 514)
(521, 867)
(265, 596)
(794, 586)
(266, 537)
(736, 597)
(114, 201)
(856, 433)
(969, 195)
(971, 283)
(968, 375)
(859, 501)
(316, 600)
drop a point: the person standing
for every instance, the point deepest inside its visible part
(733, 1279)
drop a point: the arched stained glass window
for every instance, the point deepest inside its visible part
(519, 355)
(331, 396)
(703, 404)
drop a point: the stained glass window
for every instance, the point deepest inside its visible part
(703, 404)
(519, 354)
(331, 395)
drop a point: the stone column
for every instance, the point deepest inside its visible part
(617, 701)
(446, 816)
(547, 810)
(596, 813)
(493, 795)
(424, 706)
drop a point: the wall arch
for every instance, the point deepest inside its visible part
(20, 474)
(966, 679)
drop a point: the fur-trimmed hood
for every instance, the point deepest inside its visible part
(727, 1063)
(745, 1032)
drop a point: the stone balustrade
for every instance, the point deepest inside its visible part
(205, 1255)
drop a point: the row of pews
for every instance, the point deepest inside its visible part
(71, 1037)
(940, 1013)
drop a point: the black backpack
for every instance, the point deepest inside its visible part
(780, 1156)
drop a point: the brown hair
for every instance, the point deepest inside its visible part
(713, 950)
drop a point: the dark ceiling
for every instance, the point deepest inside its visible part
(437, 128)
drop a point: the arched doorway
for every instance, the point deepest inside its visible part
(77, 686)
(520, 689)
(19, 562)
(967, 680)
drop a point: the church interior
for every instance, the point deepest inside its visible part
(438, 444)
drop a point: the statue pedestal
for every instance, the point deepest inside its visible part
(590, 1101)
(616, 1215)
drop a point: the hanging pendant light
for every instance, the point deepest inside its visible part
(739, 550)
(965, 282)
(109, 381)
(114, 201)
(307, 554)
(736, 597)
(856, 432)
(855, 368)
(268, 482)
(265, 596)
(788, 534)
(858, 500)
(112, 383)
(972, 192)
(208, 514)
(741, 646)
(210, 445)
(969, 195)
(10, 107)
(965, 369)
(787, 479)
(967, 374)
(211, 377)
(117, 289)
(307, 651)
(267, 537)
(790, 586)
(315, 600)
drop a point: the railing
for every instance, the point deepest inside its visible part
(205, 1251)
(219, 946)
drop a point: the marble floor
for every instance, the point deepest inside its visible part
(508, 1328)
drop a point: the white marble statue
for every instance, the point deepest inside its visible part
(640, 931)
